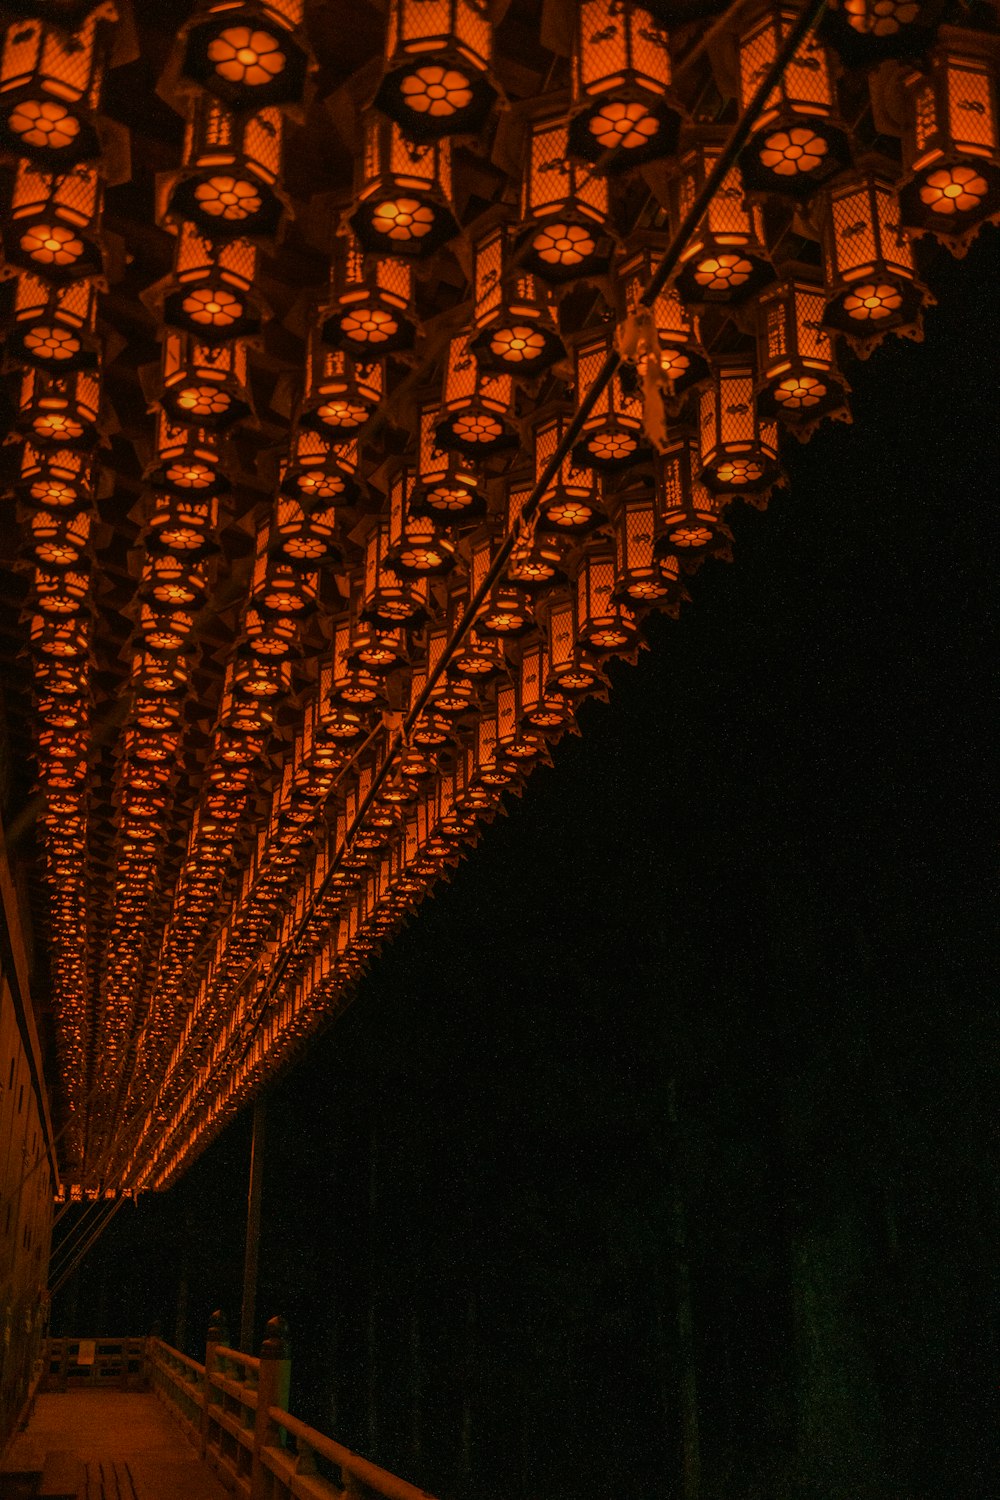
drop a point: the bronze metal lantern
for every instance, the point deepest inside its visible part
(798, 141)
(571, 504)
(446, 488)
(372, 310)
(872, 287)
(50, 81)
(690, 524)
(53, 228)
(403, 206)
(605, 624)
(951, 146)
(204, 384)
(739, 449)
(680, 356)
(437, 80)
(228, 184)
(565, 221)
(515, 331)
(475, 418)
(52, 326)
(725, 261)
(799, 382)
(211, 288)
(613, 438)
(248, 54)
(418, 546)
(623, 111)
(341, 396)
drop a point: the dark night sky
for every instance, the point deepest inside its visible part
(761, 884)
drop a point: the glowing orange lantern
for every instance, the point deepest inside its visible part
(797, 142)
(63, 639)
(453, 694)
(799, 379)
(59, 537)
(54, 220)
(212, 299)
(871, 286)
(725, 260)
(952, 150)
(537, 561)
(565, 230)
(515, 333)
(372, 314)
(621, 76)
(446, 487)
(255, 678)
(304, 534)
(389, 600)
(249, 53)
(506, 614)
(690, 520)
(514, 743)
(475, 408)
(573, 672)
(679, 355)
(270, 635)
(204, 385)
(184, 523)
(61, 591)
(570, 505)
(53, 326)
(61, 410)
(341, 396)
(319, 475)
(50, 81)
(403, 201)
(160, 674)
(739, 451)
(604, 624)
(613, 437)
(173, 582)
(417, 548)
(164, 630)
(227, 186)
(342, 680)
(58, 478)
(187, 462)
(540, 709)
(437, 72)
(490, 771)
(639, 579)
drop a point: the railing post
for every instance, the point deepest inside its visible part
(272, 1390)
(216, 1335)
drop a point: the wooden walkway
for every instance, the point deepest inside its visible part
(130, 1448)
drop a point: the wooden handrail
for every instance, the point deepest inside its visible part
(176, 1356)
(251, 1361)
(379, 1480)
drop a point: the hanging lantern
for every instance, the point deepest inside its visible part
(212, 297)
(871, 286)
(319, 475)
(247, 54)
(604, 624)
(389, 600)
(437, 78)
(160, 674)
(506, 612)
(639, 579)
(187, 462)
(431, 731)
(799, 379)
(951, 147)
(866, 32)
(477, 657)
(173, 582)
(690, 522)
(446, 485)
(540, 709)
(739, 451)
(62, 639)
(724, 261)
(417, 548)
(573, 671)
(52, 327)
(59, 410)
(58, 537)
(255, 678)
(164, 630)
(184, 523)
(515, 332)
(53, 225)
(377, 649)
(304, 535)
(336, 721)
(61, 591)
(565, 228)
(50, 83)
(227, 186)
(621, 87)
(798, 141)
(490, 771)
(341, 396)
(570, 505)
(204, 385)
(679, 356)
(613, 439)
(537, 561)
(343, 680)
(514, 743)
(403, 201)
(372, 315)
(475, 420)
(58, 478)
(453, 694)
(269, 635)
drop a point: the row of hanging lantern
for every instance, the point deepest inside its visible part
(611, 538)
(51, 76)
(235, 80)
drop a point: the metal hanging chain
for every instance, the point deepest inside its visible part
(741, 133)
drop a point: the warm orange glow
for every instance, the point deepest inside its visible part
(51, 245)
(436, 90)
(213, 307)
(721, 273)
(44, 123)
(227, 197)
(880, 18)
(563, 244)
(618, 124)
(954, 190)
(872, 300)
(51, 343)
(369, 325)
(797, 149)
(246, 56)
(403, 219)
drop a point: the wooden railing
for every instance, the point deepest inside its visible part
(234, 1410)
(83, 1364)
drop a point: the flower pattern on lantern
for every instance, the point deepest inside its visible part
(417, 546)
(679, 355)
(318, 473)
(371, 314)
(50, 81)
(389, 601)
(247, 54)
(403, 200)
(228, 185)
(623, 114)
(537, 561)
(446, 487)
(204, 385)
(640, 579)
(475, 406)
(210, 289)
(51, 327)
(605, 625)
(725, 260)
(690, 525)
(53, 225)
(739, 450)
(613, 437)
(570, 504)
(437, 79)
(952, 147)
(515, 332)
(866, 32)
(565, 225)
